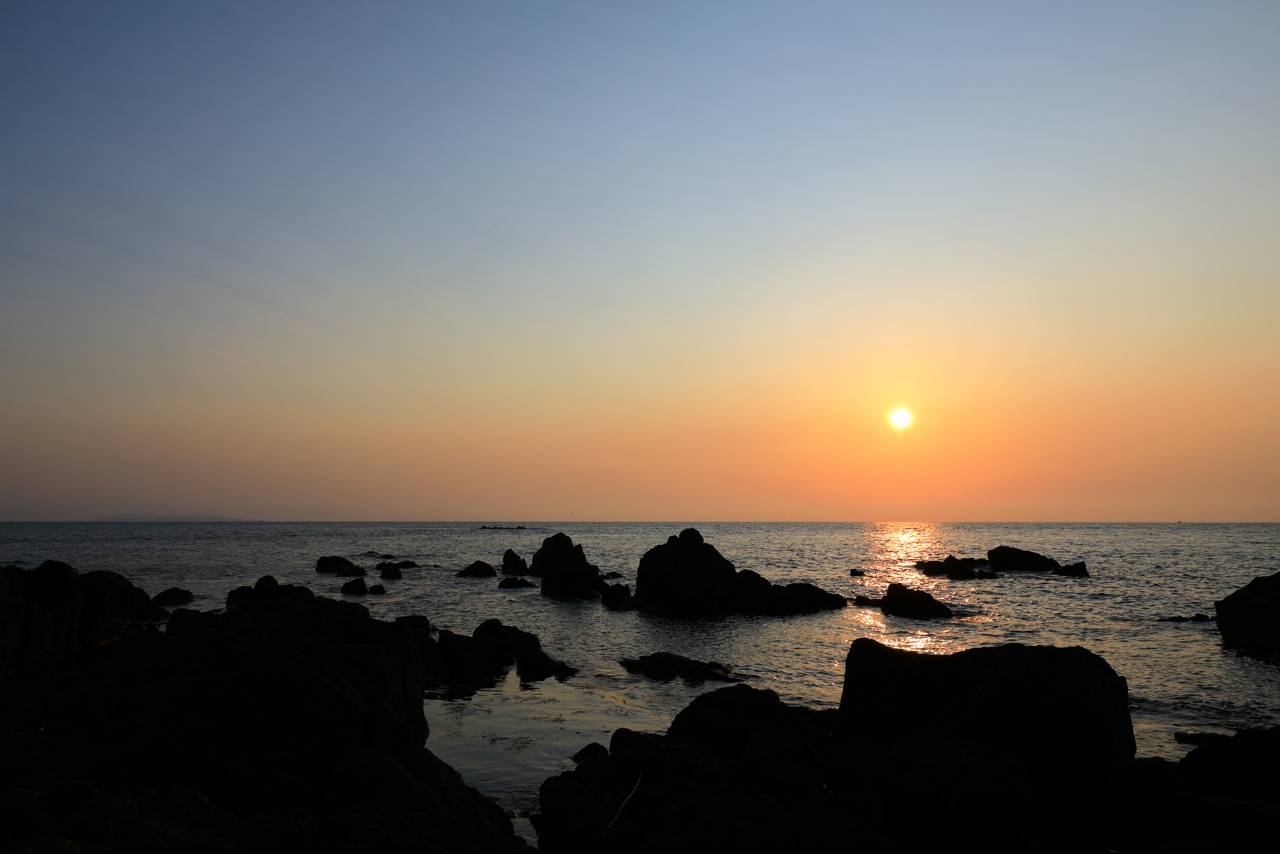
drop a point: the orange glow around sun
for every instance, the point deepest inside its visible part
(901, 418)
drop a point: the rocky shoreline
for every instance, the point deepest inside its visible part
(288, 721)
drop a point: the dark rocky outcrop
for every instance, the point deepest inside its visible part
(687, 576)
(478, 569)
(856, 573)
(1010, 559)
(376, 590)
(565, 571)
(611, 576)
(173, 597)
(340, 566)
(1050, 706)
(392, 570)
(513, 564)
(532, 664)
(355, 587)
(515, 583)
(902, 601)
(996, 744)
(617, 597)
(464, 663)
(954, 568)
(1249, 619)
(287, 722)
(666, 666)
(52, 615)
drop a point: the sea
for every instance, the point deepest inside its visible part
(507, 739)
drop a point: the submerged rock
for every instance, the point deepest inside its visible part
(377, 589)
(666, 666)
(513, 564)
(564, 569)
(340, 566)
(515, 583)
(1194, 618)
(478, 569)
(1249, 618)
(902, 601)
(391, 570)
(173, 597)
(688, 576)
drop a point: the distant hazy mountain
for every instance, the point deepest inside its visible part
(165, 517)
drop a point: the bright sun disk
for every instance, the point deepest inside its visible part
(900, 418)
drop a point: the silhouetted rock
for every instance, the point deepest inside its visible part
(902, 601)
(688, 576)
(288, 722)
(467, 661)
(1010, 559)
(479, 569)
(857, 573)
(1194, 618)
(377, 589)
(513, 564)
(354, 587)
(866, 601)
(955, 568)
(1073, 570)
(617, 597)
(1249, 619)
(515, 583)
(173, 597)
(1243, 765)
(1049, 706)
(340, 566)
(532, 663)
(564, 569)
(611, 576)
(665, 666)
(391, 570)
(593, 752)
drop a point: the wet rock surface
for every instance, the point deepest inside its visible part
(287, 722)
(687, 576)
(1249, 618)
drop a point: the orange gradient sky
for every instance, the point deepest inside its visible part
(675, 266)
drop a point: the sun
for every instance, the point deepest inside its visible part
(901, 418)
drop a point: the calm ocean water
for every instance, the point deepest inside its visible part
(506, 740)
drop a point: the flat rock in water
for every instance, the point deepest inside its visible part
(665, 666)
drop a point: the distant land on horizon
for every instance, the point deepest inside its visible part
(167, 517)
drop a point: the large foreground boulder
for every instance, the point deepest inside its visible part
(565, 571)
(287, 722)
(923, 748)
(1249, 618)
(53, 615)
(688, 576)
(1040, 706)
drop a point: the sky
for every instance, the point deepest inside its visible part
(650, 261)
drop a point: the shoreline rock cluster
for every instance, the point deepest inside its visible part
(286, 722)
